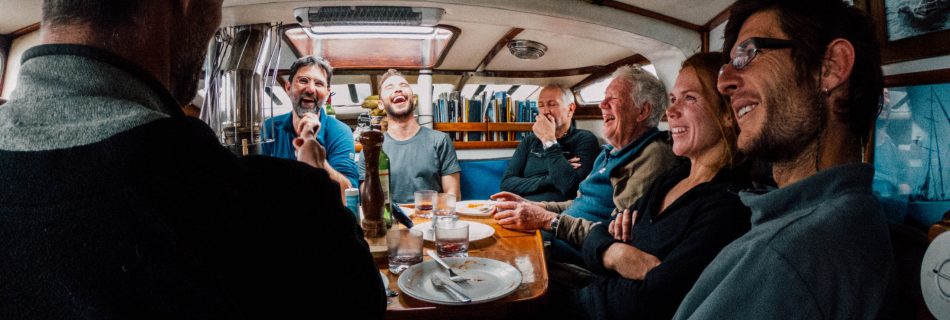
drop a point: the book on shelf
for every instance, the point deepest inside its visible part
(485, 107)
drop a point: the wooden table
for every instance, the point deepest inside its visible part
(521, 250)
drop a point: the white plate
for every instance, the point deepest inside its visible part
(489, 280)
(385, 280)
(408, 210)
(476, 231)
(471, 207)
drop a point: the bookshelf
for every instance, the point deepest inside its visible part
(486, 121)
(484, 127)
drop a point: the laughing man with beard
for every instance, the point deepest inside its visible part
(420, 158)
(309, 88)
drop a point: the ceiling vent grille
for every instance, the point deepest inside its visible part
(527, 49)
(368, 16)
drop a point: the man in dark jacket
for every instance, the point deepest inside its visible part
(113, 204)
(550, 163)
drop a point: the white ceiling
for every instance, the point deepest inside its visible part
(469, 48)
(564, 52)
(19, 13)
(697, 12)
(577, 33)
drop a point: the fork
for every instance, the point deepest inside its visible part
(452, 275)
(441, 285)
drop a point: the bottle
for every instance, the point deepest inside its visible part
(384, 181)
(330, 112)
(371, 197)
(353, 202)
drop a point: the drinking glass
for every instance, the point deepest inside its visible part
(444, 205)
(425, 200)
(451, 238)
(405, 249)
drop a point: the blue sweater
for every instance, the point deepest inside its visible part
(334, 135)
(595, 202)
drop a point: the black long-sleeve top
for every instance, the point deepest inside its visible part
(545, 175)
(685, 237)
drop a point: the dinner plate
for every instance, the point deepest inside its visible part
(476, 231)
(408, 208)
(385, 280)
(475, 208)
(489, 280)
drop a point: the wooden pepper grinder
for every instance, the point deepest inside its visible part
(371, 196)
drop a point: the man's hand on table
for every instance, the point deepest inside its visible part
(522, 216)
(511, 197)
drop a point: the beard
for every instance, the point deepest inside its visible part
(399, 114)
(300, 110)
(789, 128)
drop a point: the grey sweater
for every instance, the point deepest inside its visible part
(64, 101)
(818, 249)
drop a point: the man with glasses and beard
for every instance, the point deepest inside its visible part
(805, 81)
(309, 87)
(113, 204)
(419, 158)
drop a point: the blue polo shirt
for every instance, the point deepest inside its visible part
(334, 135)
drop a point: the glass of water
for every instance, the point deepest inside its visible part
(444, 205)
(425, 201)
(451, 238)
(405, 249)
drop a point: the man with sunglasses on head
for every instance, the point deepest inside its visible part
(804, 79)
(309, 88)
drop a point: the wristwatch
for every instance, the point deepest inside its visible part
(554, 224)
(548, 144)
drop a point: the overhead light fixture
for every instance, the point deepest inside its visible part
(527, 49)
(371, 29)
(368, 16)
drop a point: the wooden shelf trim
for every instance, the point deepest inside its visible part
(486, 144)
(482, 126)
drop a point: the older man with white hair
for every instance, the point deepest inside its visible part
(636, 153)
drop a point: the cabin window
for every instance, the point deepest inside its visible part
(594, 93)
(350, 93)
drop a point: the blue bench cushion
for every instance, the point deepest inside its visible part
(481, 178)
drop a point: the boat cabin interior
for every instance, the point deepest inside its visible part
(477, 68)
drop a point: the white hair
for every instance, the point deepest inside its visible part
(645, 88)
(567, 97)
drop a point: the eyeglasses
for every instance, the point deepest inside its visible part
(747, 50)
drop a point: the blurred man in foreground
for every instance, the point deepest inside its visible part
(115, 205)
